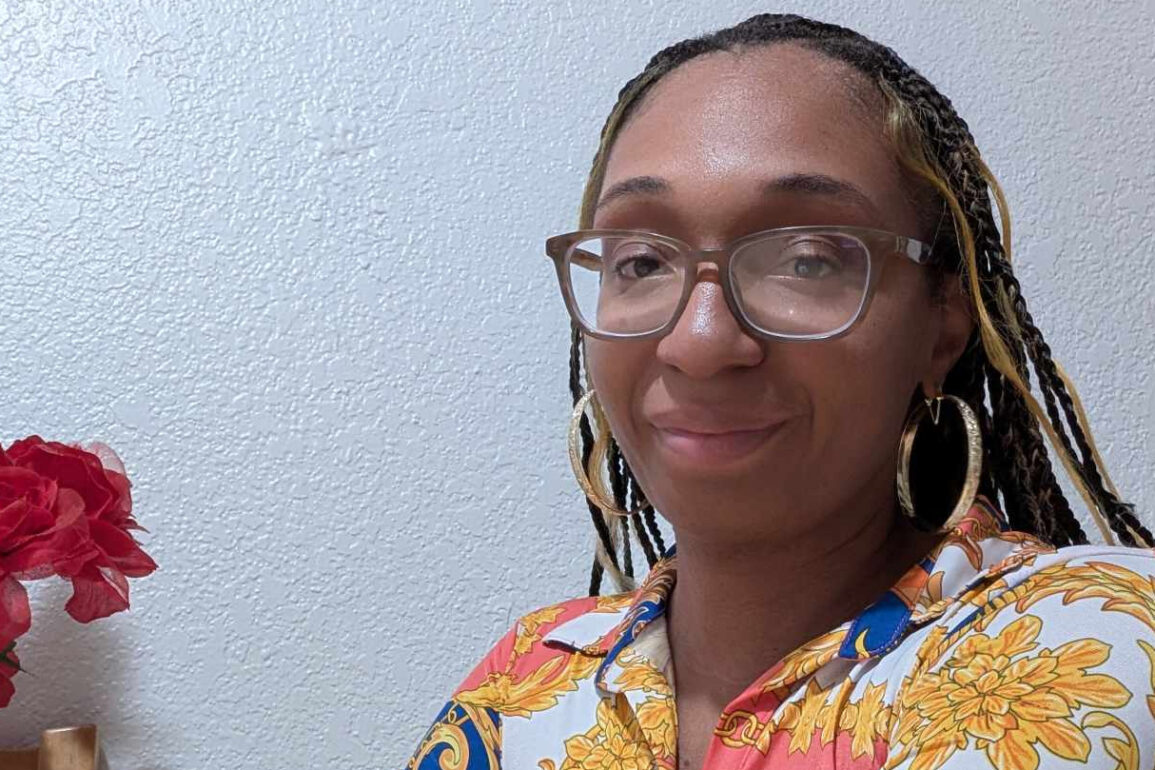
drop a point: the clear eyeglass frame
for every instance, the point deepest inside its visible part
(878, 245)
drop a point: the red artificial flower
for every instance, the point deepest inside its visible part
(65, 511)
(42, 531)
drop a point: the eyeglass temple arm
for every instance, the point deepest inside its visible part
(916, 251)
(581, 257)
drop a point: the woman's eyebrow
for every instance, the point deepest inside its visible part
(804, 183)
(820, 185)
(635, 185)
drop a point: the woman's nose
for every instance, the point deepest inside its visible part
(707, 338)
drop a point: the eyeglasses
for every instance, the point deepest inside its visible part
(790, 283)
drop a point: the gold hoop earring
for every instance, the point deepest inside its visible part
(595, 495)
(974, 439)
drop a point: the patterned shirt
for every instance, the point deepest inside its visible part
(995, 651)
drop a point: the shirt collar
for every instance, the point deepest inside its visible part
(941, 579)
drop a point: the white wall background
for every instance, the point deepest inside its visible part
(286, 258)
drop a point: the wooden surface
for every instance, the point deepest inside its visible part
(67, 748)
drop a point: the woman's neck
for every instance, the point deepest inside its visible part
(735, 612)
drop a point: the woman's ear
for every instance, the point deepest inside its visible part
(956, 324)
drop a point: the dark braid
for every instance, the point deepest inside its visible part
(1042, 508)
(625, 489)
(1123, 513)
(941, 151)
(627, 498)
(644, 539)
(1039, 505)
(646, 528)
(596, 573)
(1050, 510)
(628, 561)
(652, 525)
(618, 487)
(1119, 515)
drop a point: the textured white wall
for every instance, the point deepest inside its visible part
(286, 258)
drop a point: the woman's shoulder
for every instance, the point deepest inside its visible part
(545, 633)
(1054, 659)
(1082, 587)
(1102, 570)
(542, 656)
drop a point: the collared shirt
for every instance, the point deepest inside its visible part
(995, 651)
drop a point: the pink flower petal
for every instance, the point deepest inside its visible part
(97, 592)
(15, 613)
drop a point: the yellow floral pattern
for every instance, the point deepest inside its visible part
(637, 673)
(802, 662)
(995, 651)
(1007, 696)
(817, 720)
(659, 726)
(512, 695)
(611, 744)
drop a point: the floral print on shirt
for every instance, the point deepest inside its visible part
(995, 651)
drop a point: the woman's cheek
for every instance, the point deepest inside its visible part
(613, 375)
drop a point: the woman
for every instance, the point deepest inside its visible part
(805, 347)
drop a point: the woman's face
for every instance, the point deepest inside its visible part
(731, 436)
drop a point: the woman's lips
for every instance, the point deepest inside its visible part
(715, 447)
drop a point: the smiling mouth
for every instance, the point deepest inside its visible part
(714, 448)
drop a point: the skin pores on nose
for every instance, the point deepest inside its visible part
(706, 303)
(716, 129)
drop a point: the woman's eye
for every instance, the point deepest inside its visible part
(811, 266)
(636, 264)
(809, 259)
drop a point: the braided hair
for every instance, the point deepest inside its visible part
(935, 146)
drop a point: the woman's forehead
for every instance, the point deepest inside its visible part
(743, 118)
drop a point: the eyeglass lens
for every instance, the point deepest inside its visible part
(792, 283)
